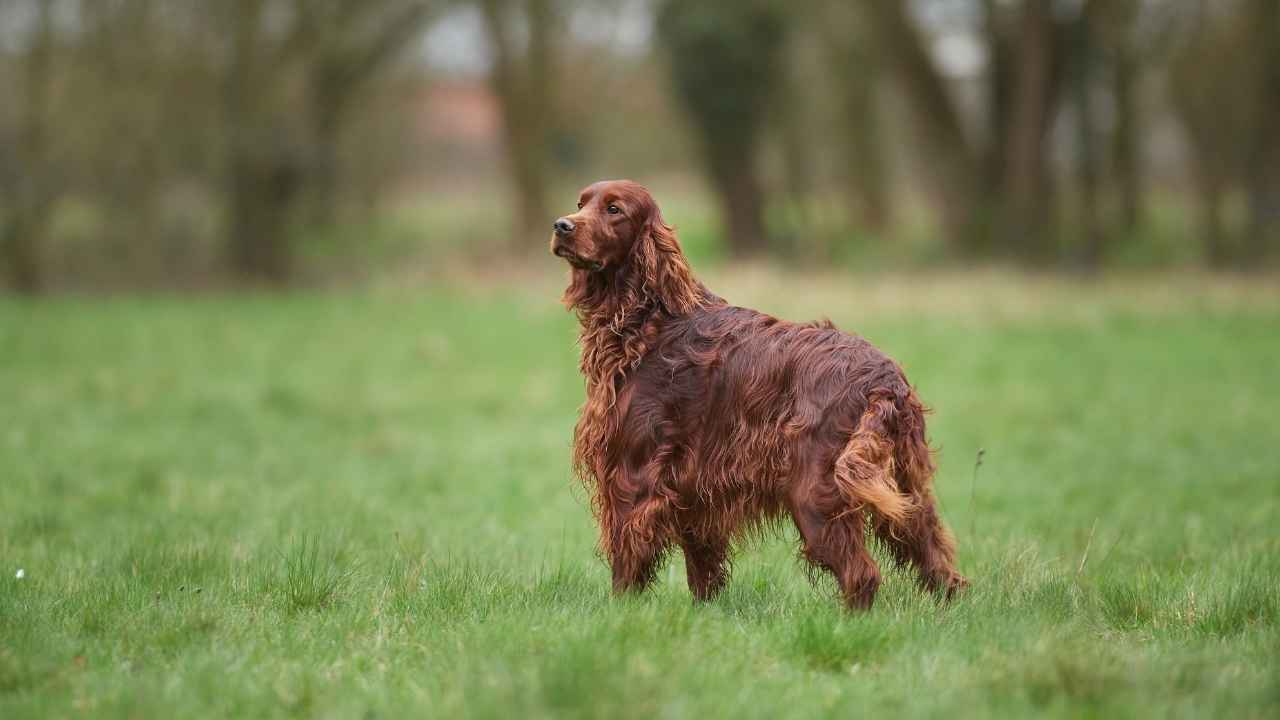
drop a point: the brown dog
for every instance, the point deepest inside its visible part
(703, 420)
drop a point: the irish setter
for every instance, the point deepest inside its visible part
(704, 420)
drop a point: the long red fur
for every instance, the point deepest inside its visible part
(704, 420)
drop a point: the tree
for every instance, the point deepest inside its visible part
(1221, 121)
(1025, 191)
(994, 189)
(725, 65)
(523, 76)
(1082, 76)
(347, 43)
(28, 191)
(263, 159)
(336, 47)
(246, 100)
(852, 54)
(1113, 28)
(954, 161)
(1101, 39)
(1263, 37)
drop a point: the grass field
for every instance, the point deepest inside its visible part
(359, 504)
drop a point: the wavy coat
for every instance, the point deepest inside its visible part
(704, 420)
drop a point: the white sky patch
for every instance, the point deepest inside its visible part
(625, 27)
(959, 54)
(457, 43)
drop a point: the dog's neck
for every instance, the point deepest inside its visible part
(622, 313)
(617, 328)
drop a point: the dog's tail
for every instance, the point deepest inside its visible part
(886, 466)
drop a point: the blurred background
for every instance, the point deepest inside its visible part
(232, 143)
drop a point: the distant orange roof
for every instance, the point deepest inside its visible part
(460, 112)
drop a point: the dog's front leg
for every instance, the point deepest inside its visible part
(637, 529)
(706, 564)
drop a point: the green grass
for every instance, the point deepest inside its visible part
(359, 504)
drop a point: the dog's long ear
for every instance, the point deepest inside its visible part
(664, 270)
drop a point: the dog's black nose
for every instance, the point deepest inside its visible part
(564, 226)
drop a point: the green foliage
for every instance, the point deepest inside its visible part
(361, 505)
(726, 65)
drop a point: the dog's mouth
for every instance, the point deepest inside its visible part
(577, 260)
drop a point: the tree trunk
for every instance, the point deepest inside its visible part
(524, 85)
(20, 241)
(1114, 52)
(1026, 187)
(261, 193)
(953, 169)
(797, 162)
(530, 174)
(1125, 143)
(1212, 230)
(1264, 156)
(262, 180)
(868, 181)
(799, 215)
(27, 218)
(1093, 235)
(1264, 209)
(326, 125)
(742, 203)
(1000, 76)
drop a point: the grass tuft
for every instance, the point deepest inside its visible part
(1250, 600)
(835, 642)
(314, 577)
(1135, 601)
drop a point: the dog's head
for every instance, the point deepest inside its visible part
(613, 218)
(622, 252)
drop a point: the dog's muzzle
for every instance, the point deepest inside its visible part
(559, 249)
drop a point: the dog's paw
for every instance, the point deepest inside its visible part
(954, 584)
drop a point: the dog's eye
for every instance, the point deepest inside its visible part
(613, 210)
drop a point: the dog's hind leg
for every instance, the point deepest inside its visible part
(925, 543)
(837, 543)
(908, 524)
(834, 537)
